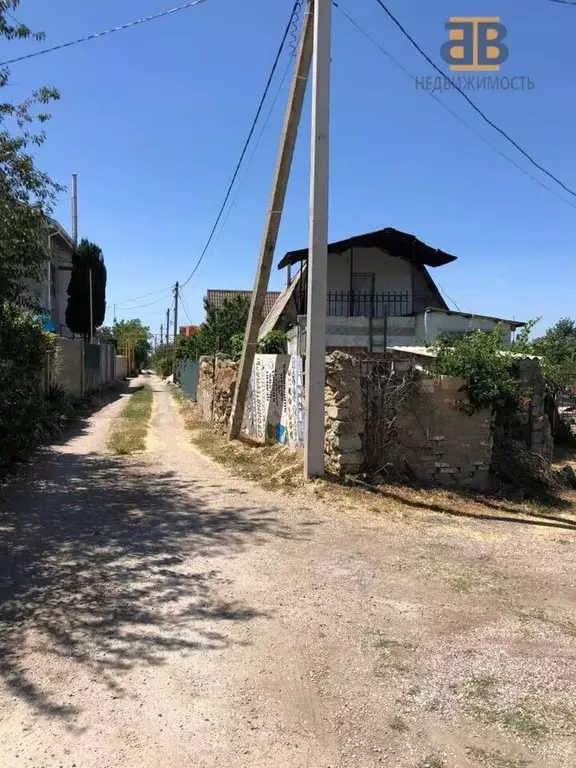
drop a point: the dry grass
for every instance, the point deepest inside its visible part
(130, 431)
(279, 467)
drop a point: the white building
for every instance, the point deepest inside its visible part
(380, 294)
(53, 292)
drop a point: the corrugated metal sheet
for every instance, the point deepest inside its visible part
(216, 297)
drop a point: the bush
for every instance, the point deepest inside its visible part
(479, 358)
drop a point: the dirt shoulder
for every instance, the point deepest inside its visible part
(159, 611)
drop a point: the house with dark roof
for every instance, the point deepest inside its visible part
(380, 294)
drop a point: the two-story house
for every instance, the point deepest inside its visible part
(380, 295)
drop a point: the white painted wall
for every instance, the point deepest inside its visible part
(430, 325)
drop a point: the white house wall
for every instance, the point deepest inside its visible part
(391, 273)
(430, 325)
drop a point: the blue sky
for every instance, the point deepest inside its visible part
(153, 120)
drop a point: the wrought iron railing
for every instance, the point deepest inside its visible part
(379, 304)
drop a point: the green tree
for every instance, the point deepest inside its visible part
(27, 196)
(88, 257)
(137, 335)
(557, 348)
(217, 333)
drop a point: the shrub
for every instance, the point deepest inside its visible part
(478, 358)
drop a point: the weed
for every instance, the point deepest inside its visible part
(398, 724)
(495, 759)
(481, 687)
(432, 761)
(129, 434)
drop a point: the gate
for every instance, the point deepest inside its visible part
(188, 378)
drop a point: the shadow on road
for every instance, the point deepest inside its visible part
(97, 566)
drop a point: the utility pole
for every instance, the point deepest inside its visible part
(274, 216)
(318, 246)
(75, 209)
(176, 292)
(168, 326)
(91, 307)
(161, 334)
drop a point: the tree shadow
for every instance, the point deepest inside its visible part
(533, 517)
(100, 565)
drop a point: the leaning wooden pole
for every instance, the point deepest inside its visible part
(274, 216)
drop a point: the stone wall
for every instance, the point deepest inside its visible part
(532, 424)
(343, 413)
(439, 440)
(216, 385)
(386, 416)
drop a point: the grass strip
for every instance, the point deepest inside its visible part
(131, 429)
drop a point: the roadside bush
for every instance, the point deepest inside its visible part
(479, 358)
(26, 418)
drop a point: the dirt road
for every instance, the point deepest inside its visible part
(155, 611)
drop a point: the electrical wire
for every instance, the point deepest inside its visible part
(144, 296)
(130, 24)
(563, 2)
(185, 306)
(246, 145)
(294, 30)
(140, 306)
(472, 104)
(452, 112)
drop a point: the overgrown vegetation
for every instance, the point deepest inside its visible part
(129, 334)
(131, 429)
(479, 358)
(27, 196)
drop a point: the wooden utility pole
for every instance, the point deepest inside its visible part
(318, 247)
(168, 326)
(274, 216)
(176, 292)
(161, 334)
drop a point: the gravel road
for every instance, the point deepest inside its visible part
(156, 611)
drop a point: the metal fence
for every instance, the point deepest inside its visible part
(188, 371)
(380, 304)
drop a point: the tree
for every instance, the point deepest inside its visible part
(217, 333)
(88, 257)
(132, 334)
(558, 351)
(27, 196)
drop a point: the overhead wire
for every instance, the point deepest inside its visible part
(246, 145)
(144, 296)
(452, 112)
(474, 106)
(140, 306)
(120, 28)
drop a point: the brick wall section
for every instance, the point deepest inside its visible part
(216, 385)
(439, 442)
(434, 439)
(533, 422)
(344, 415)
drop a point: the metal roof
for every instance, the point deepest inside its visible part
(472, 315)
(393, 241)
(216, 297)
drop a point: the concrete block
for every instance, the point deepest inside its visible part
(347, 443)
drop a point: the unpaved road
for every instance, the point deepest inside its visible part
(157, 612)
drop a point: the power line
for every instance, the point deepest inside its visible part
(140, 306)
(563, 2)
(452, 112)
(145, 295)
(246, 143)
(185, 306)
(469, 100)
(130, 24)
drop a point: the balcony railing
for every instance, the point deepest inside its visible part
(376, 305)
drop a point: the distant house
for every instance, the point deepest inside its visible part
(188, 330)
(52, 292)
(380, 294)
(216, 297)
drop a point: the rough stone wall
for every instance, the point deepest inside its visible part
(439, 441)
(216, 385)
(532, 423)
(433, 438)
(344, 417)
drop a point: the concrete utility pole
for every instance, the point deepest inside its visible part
(275, 209)
(75, 209)
(318, 246)
(91, 307)
(161, 333)
(176, 292)
(168, 326)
